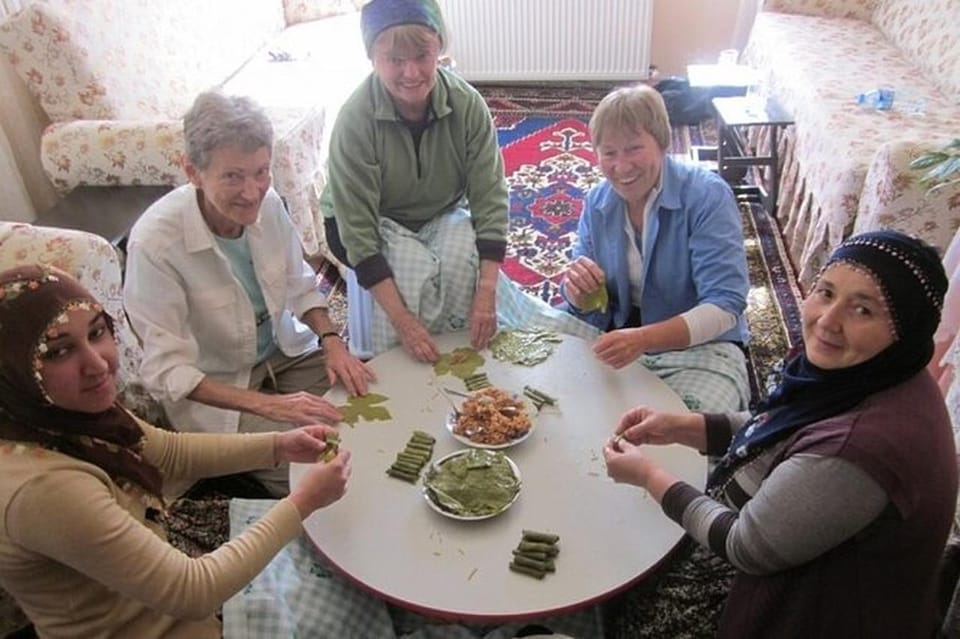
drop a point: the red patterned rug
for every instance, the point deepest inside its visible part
(550, 166)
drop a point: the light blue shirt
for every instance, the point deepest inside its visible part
(692, 250)
(237, 251)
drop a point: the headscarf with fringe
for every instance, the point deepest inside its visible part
(33, 301)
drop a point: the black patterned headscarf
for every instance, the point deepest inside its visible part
(33, 301)
(911, 278)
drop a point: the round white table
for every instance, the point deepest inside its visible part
(383, 535)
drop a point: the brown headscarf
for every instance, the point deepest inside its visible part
(33, 300)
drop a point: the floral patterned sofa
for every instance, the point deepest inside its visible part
(116, 87)
(846, 167)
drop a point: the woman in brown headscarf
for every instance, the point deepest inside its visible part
(82, 481)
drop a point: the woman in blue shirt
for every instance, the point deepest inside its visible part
(659, 263)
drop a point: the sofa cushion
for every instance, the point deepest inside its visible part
(316, 63)
(305, 10)
(107, 68)
(301, 76)
(927, 35)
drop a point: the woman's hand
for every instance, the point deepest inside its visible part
(626, 463)
(303, 444)
(644, 425)
(322, 484)
(620, 347)
(483, 317)
(299, 408)
(343, 366)
(582, 278)
(416, 339)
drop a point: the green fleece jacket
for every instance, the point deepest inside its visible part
(376, 169)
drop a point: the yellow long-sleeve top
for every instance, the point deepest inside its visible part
(82, 560)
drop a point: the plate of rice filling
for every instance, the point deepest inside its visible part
(472, 484)
(492, 418)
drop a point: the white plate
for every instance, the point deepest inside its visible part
(532, 412)
(428, 494)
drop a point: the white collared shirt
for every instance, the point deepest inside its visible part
(634, 254)
(193, 315)
(704, 321)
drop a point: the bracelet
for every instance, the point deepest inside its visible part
(324, 336)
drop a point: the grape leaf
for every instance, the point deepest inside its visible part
(362, 407)
(596, 301)
(461, 362)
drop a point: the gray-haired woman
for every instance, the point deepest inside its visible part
(217, 289)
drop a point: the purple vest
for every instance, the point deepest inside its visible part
(882, 581)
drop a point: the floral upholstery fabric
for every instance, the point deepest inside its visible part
(931, 45)
(95, 263)
(815, 66)
(113, 152)
(117, 108)
(141, 59)
(893, 198)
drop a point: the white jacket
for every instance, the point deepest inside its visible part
(193, 315)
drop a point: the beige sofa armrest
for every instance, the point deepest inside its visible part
(113, 152)
(892, 197)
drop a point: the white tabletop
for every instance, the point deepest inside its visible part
(383, 535)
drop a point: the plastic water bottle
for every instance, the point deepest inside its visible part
(868, 99)
(880, 99)
(885, 99)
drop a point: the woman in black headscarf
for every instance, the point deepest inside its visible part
(82, 481)
(834, 501)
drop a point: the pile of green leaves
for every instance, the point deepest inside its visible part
(526, 348)
(476, 483)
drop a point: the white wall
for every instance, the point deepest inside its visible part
(695, 31)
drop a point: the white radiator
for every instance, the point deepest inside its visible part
(514, 40)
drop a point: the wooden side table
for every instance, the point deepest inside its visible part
(108, 211)
(734, 117)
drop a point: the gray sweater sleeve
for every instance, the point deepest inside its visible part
(808, 505)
